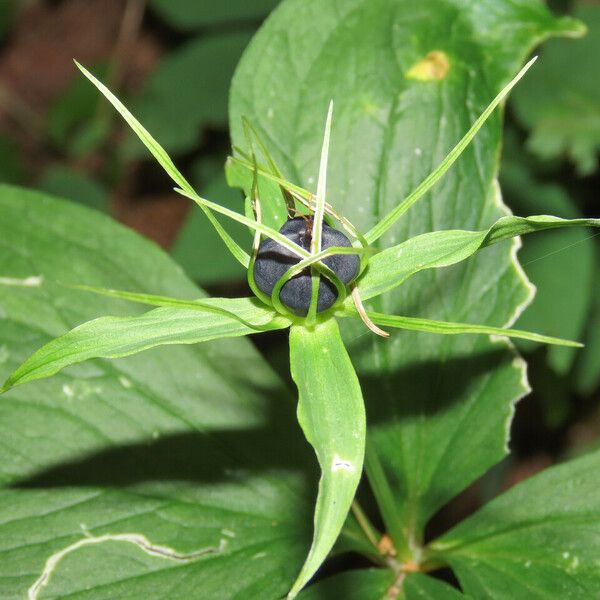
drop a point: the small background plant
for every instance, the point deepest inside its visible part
(163, 466)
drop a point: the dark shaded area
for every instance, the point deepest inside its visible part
(436, 385)
(194, 457)
(204, 456)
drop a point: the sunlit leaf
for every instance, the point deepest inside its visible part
(153, 445)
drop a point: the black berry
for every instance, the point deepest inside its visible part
(273, 260)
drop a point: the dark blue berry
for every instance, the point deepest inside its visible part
(273, 260)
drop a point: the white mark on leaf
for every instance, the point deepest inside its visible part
(228, 533)
(32, 281)
(339, 464)
(418, 151)
(68, 391)
(259, 555)
(139, 540)
(574, 564)
(126, 383)
(270, 112)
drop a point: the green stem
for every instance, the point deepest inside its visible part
(386, 502)
(365, 524)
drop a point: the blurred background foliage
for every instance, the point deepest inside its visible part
(172, 61)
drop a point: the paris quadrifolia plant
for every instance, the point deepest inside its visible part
(316, 269)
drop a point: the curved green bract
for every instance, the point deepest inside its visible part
(448, 328)
(393, 266)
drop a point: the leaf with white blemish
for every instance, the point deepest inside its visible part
(332, 415)
(439, 407)
(140, 465)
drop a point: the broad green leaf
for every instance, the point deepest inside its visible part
(331, 413)
(377, 584)
(188, 91)
(192, 14)
(420, 72)
(75, 185)
(540, 539)
(418, 586)
(154, 445)
(115, 337)
(559, 102)
(393, 266)
(198, 248)
(439, 409)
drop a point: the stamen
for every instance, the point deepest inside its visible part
(364, 316)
